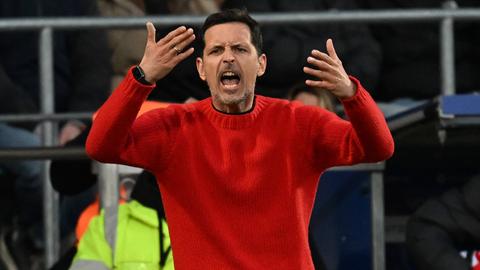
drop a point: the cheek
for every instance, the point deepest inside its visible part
(210, 74)
(252, 71)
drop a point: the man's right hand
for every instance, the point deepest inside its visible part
(162, 56)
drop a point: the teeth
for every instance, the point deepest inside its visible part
(228, 73)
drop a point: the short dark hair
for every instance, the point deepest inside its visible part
(236, 15)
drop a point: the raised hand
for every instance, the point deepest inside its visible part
(70, 131)
(329, 71)
(161, 57)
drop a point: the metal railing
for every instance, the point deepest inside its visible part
(46, 26)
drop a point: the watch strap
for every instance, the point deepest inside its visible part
(139, 75)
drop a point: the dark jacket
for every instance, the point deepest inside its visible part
(443, 227)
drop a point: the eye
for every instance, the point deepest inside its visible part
(215, 50)
(241, 49)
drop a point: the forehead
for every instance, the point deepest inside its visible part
(227, 33)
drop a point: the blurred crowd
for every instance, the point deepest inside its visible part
(397, 62)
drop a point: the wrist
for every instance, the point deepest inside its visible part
(350, 90)
(139, 75)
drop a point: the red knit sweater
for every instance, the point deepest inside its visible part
(238, 189)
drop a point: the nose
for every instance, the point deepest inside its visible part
(228, 56)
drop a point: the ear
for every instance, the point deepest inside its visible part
(200, 69)
(262, 61)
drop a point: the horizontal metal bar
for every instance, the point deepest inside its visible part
(378, 16)
(43, 153)
(407, 120)
(379, 166)
(458, 122)
(45, 117)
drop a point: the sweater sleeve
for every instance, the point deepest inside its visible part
(365, 138)
(118, 137)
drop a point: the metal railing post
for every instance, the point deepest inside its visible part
(109, 195)
(378, 221)
(107, 184)
(50, 198)
(447, 51)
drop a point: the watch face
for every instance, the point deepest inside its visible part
(137, 73)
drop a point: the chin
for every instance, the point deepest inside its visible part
(231, 99)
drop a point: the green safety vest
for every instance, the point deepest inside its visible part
(132, 234)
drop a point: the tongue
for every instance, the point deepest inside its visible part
(230, 81)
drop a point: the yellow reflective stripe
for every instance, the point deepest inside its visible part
(88, 265)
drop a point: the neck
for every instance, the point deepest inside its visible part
(242, 106)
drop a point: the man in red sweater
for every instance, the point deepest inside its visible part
(238, 171)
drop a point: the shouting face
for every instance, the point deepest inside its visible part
(230, 65)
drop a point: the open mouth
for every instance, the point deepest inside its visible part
(230, 80)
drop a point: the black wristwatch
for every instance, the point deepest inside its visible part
(139, 75)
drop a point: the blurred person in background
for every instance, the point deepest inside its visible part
(312, 96)
(140, 215)
(81, 83)
(446, 226)
(410, 75)
(81, 59)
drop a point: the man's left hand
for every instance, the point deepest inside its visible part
(329, 71)
(70, 131)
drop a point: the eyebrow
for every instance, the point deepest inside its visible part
(240, 44)
(219, 45)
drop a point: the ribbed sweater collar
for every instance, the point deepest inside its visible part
(233, 121)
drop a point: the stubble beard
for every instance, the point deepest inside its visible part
(231, 99)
